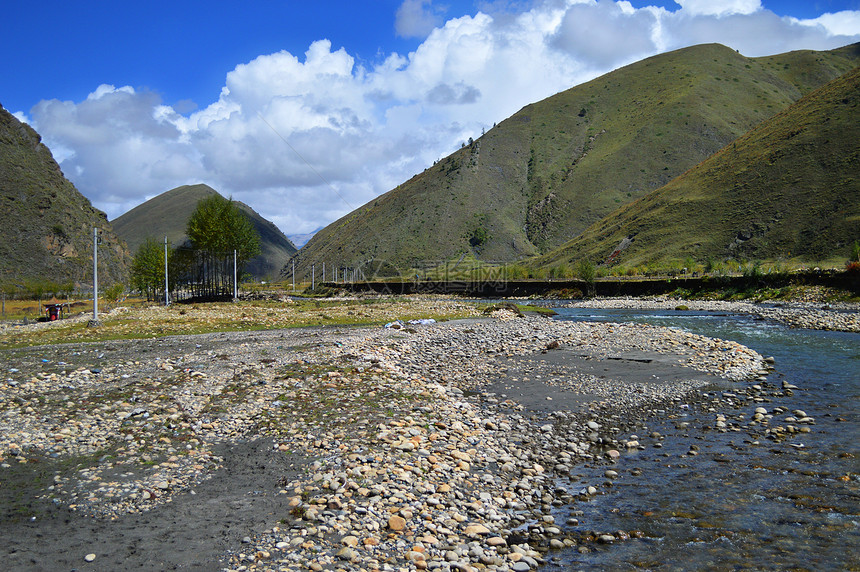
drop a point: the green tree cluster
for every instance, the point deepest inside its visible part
(218, 226)
(217, 229)
(147, 268)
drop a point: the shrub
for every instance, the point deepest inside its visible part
(560, 271)
(517, 272)
(479, 237)
(115, 293)
(753, 270)
(586, 270)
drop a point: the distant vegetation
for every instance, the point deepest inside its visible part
(220, 236)
(786, 192)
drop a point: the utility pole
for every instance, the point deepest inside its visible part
(235, 274)
(313, 276)
(294, 274)
(166, 299)
(95, 321)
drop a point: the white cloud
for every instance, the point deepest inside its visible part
(416, 19)
(607, 33)
(845, 23)
(105, 89)
(306, 139)
(20, 116)
(719, 7)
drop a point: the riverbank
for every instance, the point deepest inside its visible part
(841, 317)
(330, 447)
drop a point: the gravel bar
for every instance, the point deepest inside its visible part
(431, 447)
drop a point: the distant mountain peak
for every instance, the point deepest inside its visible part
(299, 240)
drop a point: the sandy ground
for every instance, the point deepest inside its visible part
(622, 369)
(193, 532)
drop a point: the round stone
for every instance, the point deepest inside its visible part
(396, 523)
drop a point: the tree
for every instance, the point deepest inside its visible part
(147, 268)
(216, 229)
(587, 272)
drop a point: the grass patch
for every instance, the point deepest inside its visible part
(160, 321)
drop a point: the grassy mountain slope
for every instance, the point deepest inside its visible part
(47, 225)
(790, 188)
(168, 214)
(545, 174)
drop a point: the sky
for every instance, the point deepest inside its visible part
(307, 110)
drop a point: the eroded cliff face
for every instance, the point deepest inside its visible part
(46, 224)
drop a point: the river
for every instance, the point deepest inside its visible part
(736, 500)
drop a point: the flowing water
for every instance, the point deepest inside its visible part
(740, 502)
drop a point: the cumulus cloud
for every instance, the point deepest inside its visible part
(845, 23)
(306, 138)
(444, 94)
(607, 33)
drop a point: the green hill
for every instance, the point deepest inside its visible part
(788, 189)
(541, 177)
(47, 225)
(168, 214)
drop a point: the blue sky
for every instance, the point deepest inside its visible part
(136, 98)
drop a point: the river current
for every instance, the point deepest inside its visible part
(735, 501)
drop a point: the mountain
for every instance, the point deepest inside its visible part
(790, 188)
(168, 214)
(299, 240)
(47, 225)
(544, 175)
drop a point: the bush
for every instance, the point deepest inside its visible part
(479, 237)
(753, 270)
(560, 271)
(517, 272)
(115, 293)
(586, 270)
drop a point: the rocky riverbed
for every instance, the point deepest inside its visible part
(426, 447)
